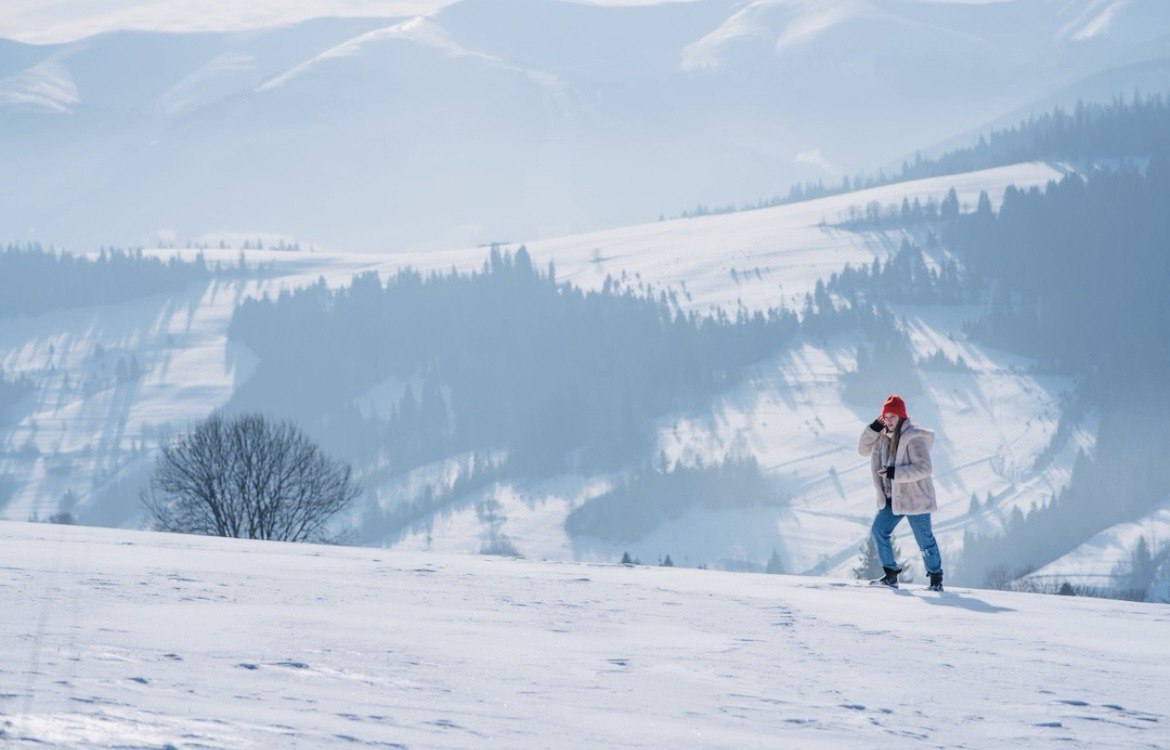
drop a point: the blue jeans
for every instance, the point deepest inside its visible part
(884, 524)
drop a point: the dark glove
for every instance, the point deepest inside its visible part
(890, 473)
(876, 425)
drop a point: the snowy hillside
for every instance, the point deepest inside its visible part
(1092, 563)
(131, 639)
(87, 452)
(455, 123)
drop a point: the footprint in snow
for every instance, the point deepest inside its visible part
(1136, 715)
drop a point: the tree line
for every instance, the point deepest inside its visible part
(1076, 276)
(1078, 269)
(1092, 131)
(505, 357)
(34, 280)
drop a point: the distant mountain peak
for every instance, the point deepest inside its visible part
(45, 87)
(423, 30)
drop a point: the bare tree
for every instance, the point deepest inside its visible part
(247, 477)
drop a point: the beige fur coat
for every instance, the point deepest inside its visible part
(913, 489)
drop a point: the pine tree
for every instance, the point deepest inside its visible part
(868, 565)
(983, 209)
(907, 575)
(1141, 570)
(949, 209)
(668, 563)
(775, 563)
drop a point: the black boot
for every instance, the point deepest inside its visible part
(890, 579)
(935, 581)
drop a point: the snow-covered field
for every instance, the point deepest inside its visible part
(137, 640)
(992, 423)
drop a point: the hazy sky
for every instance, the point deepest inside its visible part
(42, 21)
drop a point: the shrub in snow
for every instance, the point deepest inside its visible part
(247, 477)
(1134, 578)
(499, 545)
(869, 566)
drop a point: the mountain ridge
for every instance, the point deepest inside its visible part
(590, 123)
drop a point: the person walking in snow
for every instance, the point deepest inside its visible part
(899, 459)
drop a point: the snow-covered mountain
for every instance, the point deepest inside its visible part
(93, 447)
(131, 639)
(485, 120)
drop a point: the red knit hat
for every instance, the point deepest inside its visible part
(894, 405)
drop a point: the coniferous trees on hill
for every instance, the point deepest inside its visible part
(1079, 271)
(1078, 275)
(1091, 132)
(34, 280)
(505, 357)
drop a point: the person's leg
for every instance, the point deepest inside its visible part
(920, 525)
(883, 525)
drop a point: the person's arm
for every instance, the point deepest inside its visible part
(917, 466)
(869, 436)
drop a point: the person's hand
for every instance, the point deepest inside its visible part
(889, 473)
(876, 425)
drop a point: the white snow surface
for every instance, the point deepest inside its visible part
(793, 245)
(131, 639)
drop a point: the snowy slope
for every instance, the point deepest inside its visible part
(992, 423)
(129, 639)
(1109, 551)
